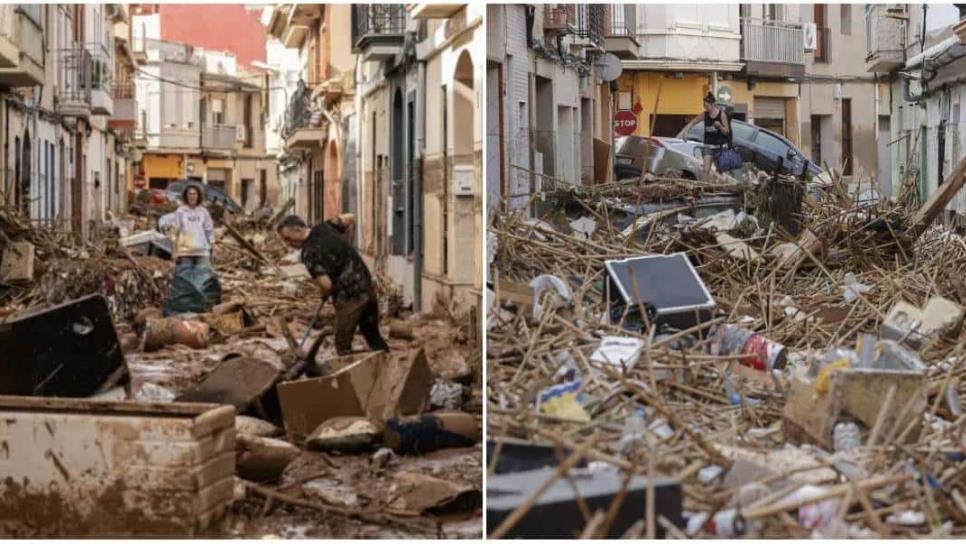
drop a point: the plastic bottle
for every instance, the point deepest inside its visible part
(846, 436)
(633, 436)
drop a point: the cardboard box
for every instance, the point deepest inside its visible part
(377, 386)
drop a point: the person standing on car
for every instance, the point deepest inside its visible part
(339, 271)
(717, 133)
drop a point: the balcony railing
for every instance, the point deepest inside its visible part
(621, 21)
(85, 73)
(590, 23)
(823, 44)
(772, 42)
(883, 37)
(219, 137)
(301, 111)
(124, 105)
(377, 20)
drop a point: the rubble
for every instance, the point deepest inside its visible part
(239, 354)
(817, 291)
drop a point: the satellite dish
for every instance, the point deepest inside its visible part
(609, 67)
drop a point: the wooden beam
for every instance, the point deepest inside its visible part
(939, 199)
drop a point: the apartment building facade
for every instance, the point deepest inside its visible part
(200, 117)
(919, 51)
(772, 63)
(319, 119)
(63, 160)
(549, 112)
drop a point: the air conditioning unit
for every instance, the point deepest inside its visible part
(810, 34)
(240, 133)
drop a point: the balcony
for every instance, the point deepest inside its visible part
(590, 26)
(378, 30)
(435, 11)
(125, 106)
(299, 20)
(560, 19)
(84, 81)
(823, 44)
(620, 30)
(303, 121)
(219, 137)
(21, 45)
(884, 28)
(772, 48)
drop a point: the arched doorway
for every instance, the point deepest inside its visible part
(464, 223)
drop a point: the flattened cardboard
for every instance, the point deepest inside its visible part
(308, 403)
(402, 388)
(376, 386)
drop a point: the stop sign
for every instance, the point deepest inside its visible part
(625, 122)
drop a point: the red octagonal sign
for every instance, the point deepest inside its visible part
(625, 122)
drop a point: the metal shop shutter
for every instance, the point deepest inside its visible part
(770, 108)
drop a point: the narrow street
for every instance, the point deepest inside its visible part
(724, 261)
(207, 327)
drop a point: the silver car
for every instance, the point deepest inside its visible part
(659, 155)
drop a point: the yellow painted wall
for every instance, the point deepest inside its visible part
(684, 96)
(667, 95)
(162, 166)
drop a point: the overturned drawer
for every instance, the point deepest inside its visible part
(87, 468)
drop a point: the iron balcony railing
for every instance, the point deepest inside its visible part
(621, 20)
(83, 69)
(123, 89)
(377, 20)
(772, 41)
(219, 136)
(590, 23)
(823, 44)
(301, 111)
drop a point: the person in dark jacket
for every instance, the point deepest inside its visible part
(717, 132)
(339, 271)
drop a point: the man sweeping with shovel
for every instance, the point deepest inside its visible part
(339, 271)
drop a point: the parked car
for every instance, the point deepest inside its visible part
(661, 156)
(213, 194)
(762, 147)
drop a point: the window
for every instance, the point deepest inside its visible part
(817, 139)
(742, 131)
(771, 143)
(774, 12)
(217, 111)
(846, 10)
(249, 100)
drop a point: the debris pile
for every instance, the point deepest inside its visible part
(369, 445)
(818, 394)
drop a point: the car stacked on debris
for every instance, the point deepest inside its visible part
(681, 156)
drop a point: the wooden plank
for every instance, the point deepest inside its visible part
(939, 199)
